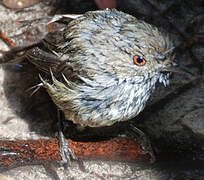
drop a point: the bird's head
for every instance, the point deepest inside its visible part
(146, 52)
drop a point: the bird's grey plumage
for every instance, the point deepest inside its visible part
(101, 84)
(100, 47)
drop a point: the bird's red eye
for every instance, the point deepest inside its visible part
(139, 60)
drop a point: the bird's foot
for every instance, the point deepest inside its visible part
(144, 141)
(66, 152)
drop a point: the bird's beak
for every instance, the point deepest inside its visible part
(178, 68)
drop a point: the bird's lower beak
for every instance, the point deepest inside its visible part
(178, 68)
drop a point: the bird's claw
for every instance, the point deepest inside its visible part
(66, 152)
(144, 141)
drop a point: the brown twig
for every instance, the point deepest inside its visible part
(6, 39)
(51, 27)
(28, 152)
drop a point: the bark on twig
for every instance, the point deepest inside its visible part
(29, 152)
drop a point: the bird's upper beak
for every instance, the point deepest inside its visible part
(172, 65)
(175, 67)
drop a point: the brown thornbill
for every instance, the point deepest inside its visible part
(103, 66)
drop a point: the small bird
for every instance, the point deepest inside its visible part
(103, 66)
